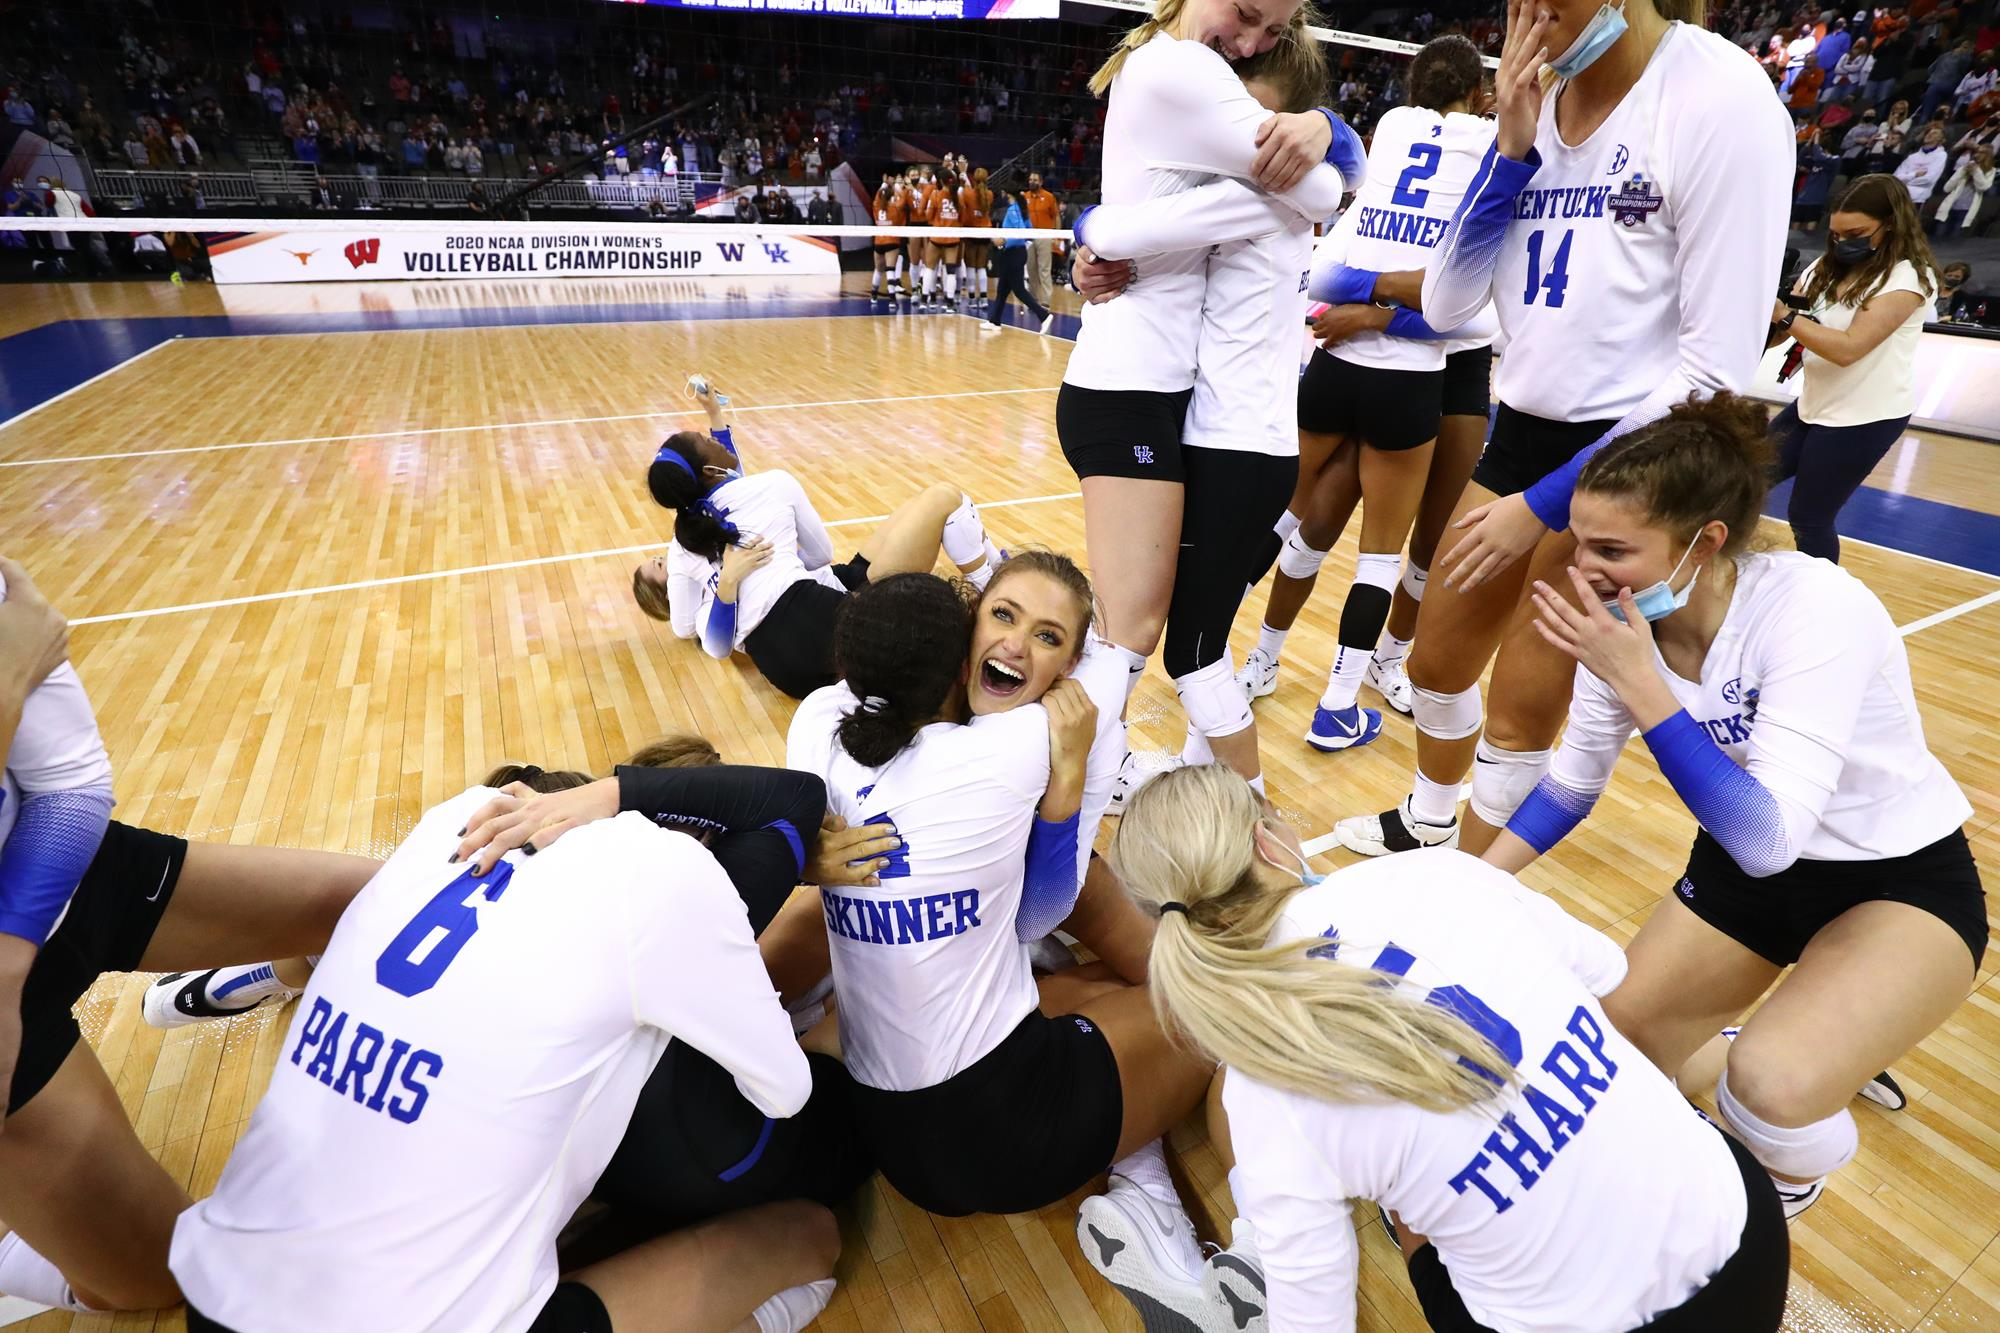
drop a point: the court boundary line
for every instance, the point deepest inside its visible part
(431, 576)
(74, 388)
(423, 431)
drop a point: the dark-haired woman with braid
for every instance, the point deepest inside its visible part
(754, 567)
(981, 1090)
(1866, 300)
(1773, 692)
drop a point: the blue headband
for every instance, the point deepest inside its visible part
(669, 454)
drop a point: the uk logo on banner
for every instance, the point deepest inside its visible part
(364, 252)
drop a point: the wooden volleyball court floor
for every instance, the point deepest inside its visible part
(332, 551)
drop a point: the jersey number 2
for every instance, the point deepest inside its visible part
(1424, 159)
(1555, 280)
(418, 956)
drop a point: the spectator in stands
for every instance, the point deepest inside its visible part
(1922, 171)
(1952, 301)
(474, 158)
(193, 199)
(1965, 198)
(19, 110)
(57, 130)
(746, 208)
(1946, 74)
(476, 202)
(1981, 79)
(1833, 47)
(323, 199)
(135, 149)
(1804, 95)
(1851, 75)
(187, 153)
(1883, 158)
(1819, 164)
(1801, 46)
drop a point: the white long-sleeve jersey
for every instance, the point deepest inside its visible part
(771, 505)
(437, 1115)
(1591, 1198)
(1179, 117)
(931, 972)
(1807, 689)
(1641, 264)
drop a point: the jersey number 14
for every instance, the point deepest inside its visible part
(1554, 280)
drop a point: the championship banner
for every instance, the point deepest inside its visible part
(878, 9)
(475, 253)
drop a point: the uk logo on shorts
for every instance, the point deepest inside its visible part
(1142, 453)
(1685, 888)
(1082, 1024)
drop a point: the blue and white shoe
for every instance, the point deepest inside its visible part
(180, 998)
(1343, 730)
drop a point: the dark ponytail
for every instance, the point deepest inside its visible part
(1708, 458)
(676, 483)
(1447, 70)
(900, 644)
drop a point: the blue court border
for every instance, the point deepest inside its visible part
(42, 363)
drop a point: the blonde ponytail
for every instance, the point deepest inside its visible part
(1278, 1013)
(1166, 13)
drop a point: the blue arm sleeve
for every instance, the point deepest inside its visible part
(722, 438)
(1548, 499)
(1049, 889)
(1737, 810)
(1459, 278)
(1346, 154)
(1549, 813)
(51, 845)
(1407, 323)
(1338, 284)
(718, 632)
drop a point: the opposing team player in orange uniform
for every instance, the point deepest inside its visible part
(890, 211)
(944, 212)
(975, 209)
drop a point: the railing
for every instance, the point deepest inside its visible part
(231, 188)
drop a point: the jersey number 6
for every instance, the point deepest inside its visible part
(1424, 159)
(419, 954)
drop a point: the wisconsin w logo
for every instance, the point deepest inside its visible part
(363, 252)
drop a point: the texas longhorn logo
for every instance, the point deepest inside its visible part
(302, 255)
(363, 252)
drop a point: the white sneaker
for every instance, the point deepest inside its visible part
(1235, 1281)
(1885, 1091)
(1259, 675)
(988, 326)
(1147, 1249)
(1392, 682)
(1136, 772)
(793, 1308)
(180, 998)
(1797, 1198)
(1393, 831)
(1048, 322)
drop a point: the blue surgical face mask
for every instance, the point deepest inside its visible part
(1605, 27)
(1660, 601)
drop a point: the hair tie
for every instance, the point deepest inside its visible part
(529, 772)
(720, 515)
(1167, 907)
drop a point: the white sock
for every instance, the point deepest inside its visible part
(930, 280)
(26, 1274)
(1194, 750)
(1146, 1167)
(1135, 666)
(793, 1308)
(1433, 802)
(982, 283)
(1343, 681)
(1257, 785)
(979, 577)
(964, 536)
(245, 987)
(1271, 642)
(1390, 650)
(896, 269)
(950, 285)
(994, 555)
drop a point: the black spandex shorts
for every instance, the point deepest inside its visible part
(888, 247)
(1775, 916)
(793, 646)
(696, 1149)
(1468, 382)
(1122, 432)
(1524, 449)
(1391, 410)
(572, 1308)
(1745, 1295)
(109, 923)
(1028, 1123)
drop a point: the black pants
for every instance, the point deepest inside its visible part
(1829, 463)
(1010, 264)
(1233, 498)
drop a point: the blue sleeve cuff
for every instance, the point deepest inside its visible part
(1346, 153)
(1549, 813)
(722, 438)
(797, 843)
(1342, 285)
(1407, 323)
(1076, 230)
(1548, 499)
(1738, 811)
(718, 635)
(1049, 885)
(47, 851)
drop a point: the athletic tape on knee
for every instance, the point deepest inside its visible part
(1446, 717)
(1297, 560)
(1502, 779)
(1809, 1152)
(1287, 524)
(1415, 576)
(1215, 703)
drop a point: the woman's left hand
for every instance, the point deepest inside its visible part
(1099, 280)
(1502, 531)
(523, 817)
(1337, 323)
(1616, 653)
(1289, 145)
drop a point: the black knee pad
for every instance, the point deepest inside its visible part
(1364, 615)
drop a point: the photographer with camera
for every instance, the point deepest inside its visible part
(1856, 312)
